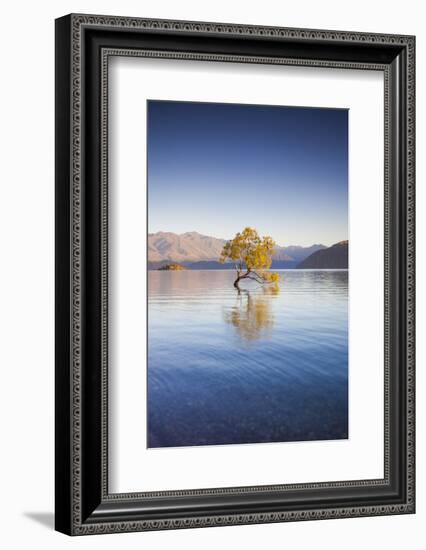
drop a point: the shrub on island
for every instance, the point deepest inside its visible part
(171, 267)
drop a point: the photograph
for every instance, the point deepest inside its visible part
(248, 274)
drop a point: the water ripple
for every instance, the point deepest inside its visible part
(257, 366)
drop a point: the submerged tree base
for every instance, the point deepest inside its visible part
(260, 278)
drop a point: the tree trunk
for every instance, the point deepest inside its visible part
(239, 277)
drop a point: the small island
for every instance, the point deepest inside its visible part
(171, 267)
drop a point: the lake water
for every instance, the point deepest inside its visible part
(268, 364)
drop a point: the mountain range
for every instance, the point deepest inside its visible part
(334, 257)
(187, 247)
(196, 251)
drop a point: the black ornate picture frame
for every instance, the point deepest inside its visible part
(84, 43)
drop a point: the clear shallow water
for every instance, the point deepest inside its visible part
(262, 365)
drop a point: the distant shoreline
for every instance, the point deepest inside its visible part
(193, 251)
(274, 269)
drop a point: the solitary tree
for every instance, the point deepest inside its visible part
(252, 256)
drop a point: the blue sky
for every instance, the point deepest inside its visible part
(216, 168)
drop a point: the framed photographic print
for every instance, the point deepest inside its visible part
(234, 274)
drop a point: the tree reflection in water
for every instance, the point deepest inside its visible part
(252, 316)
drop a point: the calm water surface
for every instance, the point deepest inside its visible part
(263, 365)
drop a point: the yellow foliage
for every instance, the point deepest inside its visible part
(272, 277)
(253, 253)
